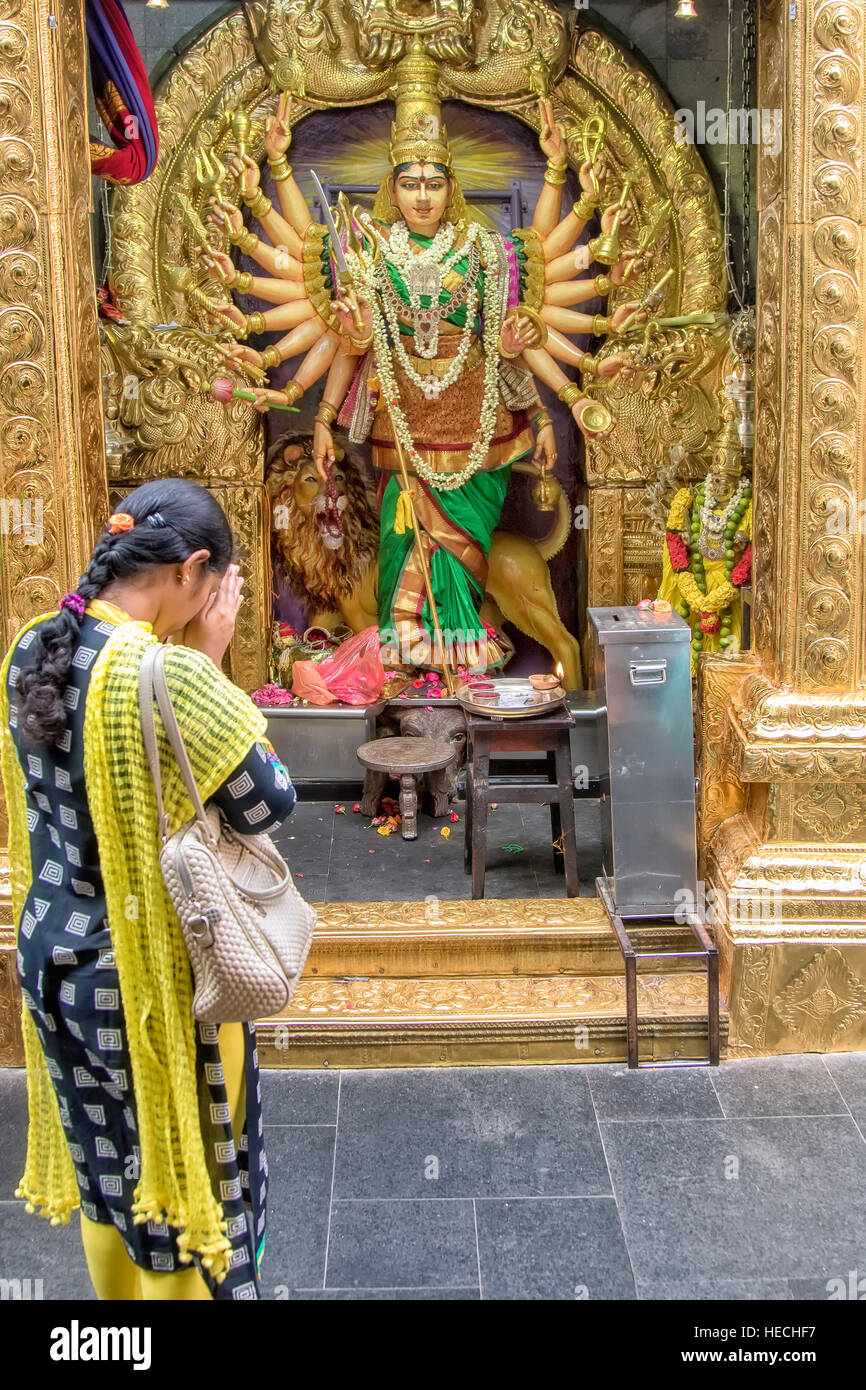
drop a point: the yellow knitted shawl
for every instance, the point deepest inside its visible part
(219, 724)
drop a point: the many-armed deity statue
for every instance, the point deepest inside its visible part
(421, 320)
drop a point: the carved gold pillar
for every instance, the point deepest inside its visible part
(790, 857)
(51, 439)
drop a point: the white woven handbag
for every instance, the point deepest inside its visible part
(246, 926)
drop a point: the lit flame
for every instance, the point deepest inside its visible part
(559, 671)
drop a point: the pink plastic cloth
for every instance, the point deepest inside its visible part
(355, 673)
(307, 684)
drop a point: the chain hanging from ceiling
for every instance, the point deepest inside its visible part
(740, 277)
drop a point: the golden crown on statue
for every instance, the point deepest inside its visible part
(418, 135)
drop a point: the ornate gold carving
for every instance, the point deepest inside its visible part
(819, 216)
(52, 474)
(820, 1004)
(449, 998)
(605, 554)
(157, 394)
(784, 733)
(536, 914)
(831, 811)
(775, 891)
(721, 794)
(753, 999)
(244, 505)
(11, 1041)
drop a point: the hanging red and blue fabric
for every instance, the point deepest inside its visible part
(123, 97)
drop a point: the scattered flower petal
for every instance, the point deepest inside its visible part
(445, 831)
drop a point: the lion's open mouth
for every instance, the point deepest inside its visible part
(328, 515)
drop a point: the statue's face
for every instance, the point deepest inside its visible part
(724, 485)
(421, 193)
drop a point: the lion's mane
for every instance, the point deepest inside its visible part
(314, 572)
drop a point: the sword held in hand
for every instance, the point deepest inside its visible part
(344, 275)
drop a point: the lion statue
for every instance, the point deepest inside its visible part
(325, 545)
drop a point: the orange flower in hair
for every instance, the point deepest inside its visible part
(120, 521)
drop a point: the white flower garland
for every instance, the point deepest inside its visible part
(492, 316)
(714, 522)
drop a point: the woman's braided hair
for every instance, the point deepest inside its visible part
(173, 517)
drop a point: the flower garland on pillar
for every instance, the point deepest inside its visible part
(688, 540)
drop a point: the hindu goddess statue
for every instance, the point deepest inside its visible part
(432, 331)
(707, 558)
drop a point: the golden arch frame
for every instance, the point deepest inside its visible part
(153, 240)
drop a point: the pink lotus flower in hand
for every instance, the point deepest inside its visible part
(223, 389)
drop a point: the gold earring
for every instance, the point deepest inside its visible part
(183, 579)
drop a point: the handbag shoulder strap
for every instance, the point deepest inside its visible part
(148, 730)
(152, 681)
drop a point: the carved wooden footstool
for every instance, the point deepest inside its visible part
(449, 725)
(407, 759)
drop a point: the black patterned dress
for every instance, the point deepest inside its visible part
(70, 984)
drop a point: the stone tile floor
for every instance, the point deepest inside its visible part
(748, 1182)
(341, 857)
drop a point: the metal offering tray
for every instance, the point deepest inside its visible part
(512, 697)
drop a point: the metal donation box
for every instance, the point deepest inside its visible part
(644, 695)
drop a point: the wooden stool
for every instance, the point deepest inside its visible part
(544, 734)
(408, 759)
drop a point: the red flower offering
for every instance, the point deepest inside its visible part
(742, 571)
(677, 551)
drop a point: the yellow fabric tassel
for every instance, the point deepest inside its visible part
(219, 724)
(403, 516)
